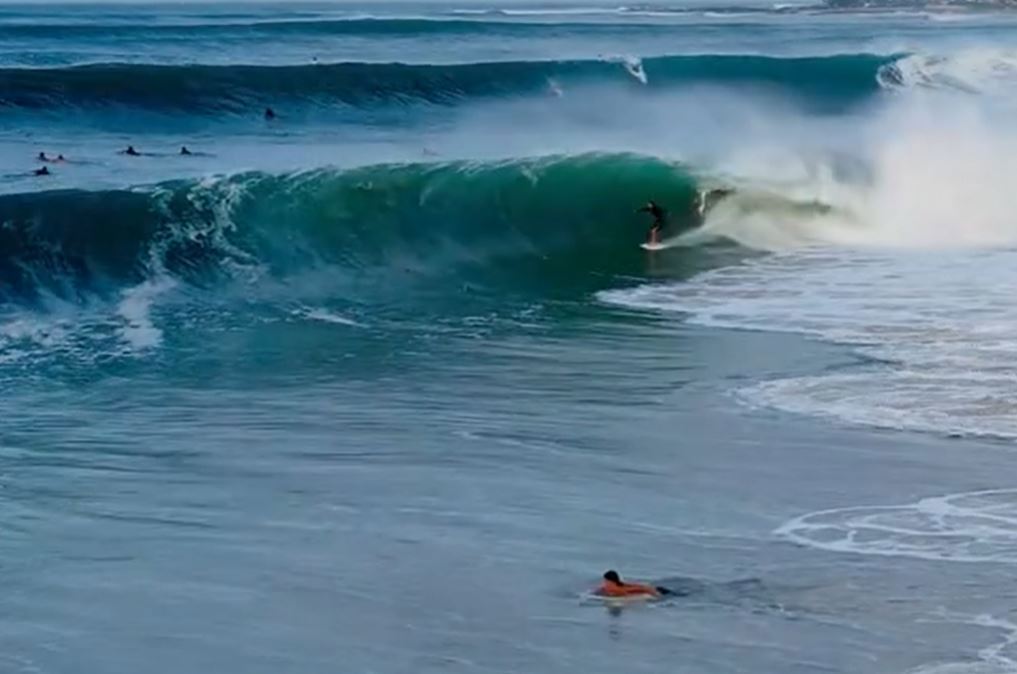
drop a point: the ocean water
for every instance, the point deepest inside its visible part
(385, 383)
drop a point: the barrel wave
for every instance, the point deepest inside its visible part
(519, 222)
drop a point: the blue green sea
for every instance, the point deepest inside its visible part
(382, 382)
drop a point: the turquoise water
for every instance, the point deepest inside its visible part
(384, 384)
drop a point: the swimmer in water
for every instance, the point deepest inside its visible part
(184, 151)
(43, 171)
(42, 157)
(613, 586)
(130, 152)
(269, 114)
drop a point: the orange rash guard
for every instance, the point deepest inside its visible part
(612, 589)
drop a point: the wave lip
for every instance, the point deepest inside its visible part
(238, 89)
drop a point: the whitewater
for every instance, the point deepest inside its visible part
(383, 382)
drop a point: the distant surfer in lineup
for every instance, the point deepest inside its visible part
(46, 159)
(659, 218)
(270, 114)
(43, 171)
(130, 152)
(613, 586)
(185, 152)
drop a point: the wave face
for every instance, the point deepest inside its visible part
(236, 89)
(564, 216)
(364, 26)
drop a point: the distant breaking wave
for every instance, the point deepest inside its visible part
(486, 21)
(831, 80)
(348, 26)
(971, 71)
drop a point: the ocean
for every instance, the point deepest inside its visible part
(384, 382)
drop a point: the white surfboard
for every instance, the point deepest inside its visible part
(652, 246)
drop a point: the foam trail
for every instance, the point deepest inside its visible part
(910, 261)
(935, 326)
(992, 659)
(634, 66)
(26, 333)
(966, 527)
(135, 308)
(971, 71)
(326, 316)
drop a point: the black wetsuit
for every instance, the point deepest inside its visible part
(659, 216)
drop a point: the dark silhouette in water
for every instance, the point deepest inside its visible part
(43, 171)
(659, 218)
(270, 114)
(750, 593)
(184, 151)
(701, 205)
(130, 152)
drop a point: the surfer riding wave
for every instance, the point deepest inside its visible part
(701, 205)
(659, 219)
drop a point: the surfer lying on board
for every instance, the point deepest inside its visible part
(613, 586)
(659, 217)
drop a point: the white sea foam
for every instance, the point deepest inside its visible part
(970, 70)
(966, 527)
(939, 326)
(911, 260)
(972, 527)
(134, 310)
(633, 66)
(996, 658)
(26, 333)
(326, 316)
